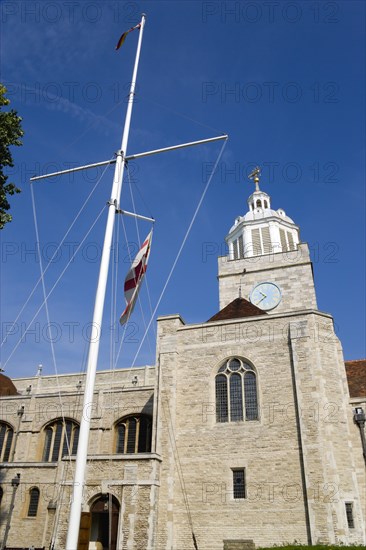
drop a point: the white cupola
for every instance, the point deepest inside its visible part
(261, 230)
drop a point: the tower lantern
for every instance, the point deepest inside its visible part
(261, 230)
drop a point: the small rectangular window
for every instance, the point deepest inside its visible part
(239, 483)
(349, 514)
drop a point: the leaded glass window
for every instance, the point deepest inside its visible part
(144, 441)
(134, 434)
(221, 398)
(6, 440)
(61, 439)
(239, 483)
(250, 392)
(121, 433)
(236, 392)
(33, 502)
(236, 397)
(234, 364)
(131, 435)
(349, 514)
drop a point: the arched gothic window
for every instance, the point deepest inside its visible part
(61, 438)
(33, 502)
(6, 440)
(236, 392)
(134, 434)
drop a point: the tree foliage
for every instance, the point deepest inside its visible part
(10, 134)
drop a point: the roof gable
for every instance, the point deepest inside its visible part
(356, 377)
(237, 309)
(6, 386)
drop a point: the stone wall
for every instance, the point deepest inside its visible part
(295, 460)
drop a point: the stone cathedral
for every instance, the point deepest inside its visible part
(248, 432)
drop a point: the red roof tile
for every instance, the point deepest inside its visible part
(6, 386)
(238, 308)
(356, 377)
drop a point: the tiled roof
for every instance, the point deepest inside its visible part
(238, 308)
(356, 377)
(6, 386)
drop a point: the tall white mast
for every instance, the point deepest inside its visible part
(81, 458)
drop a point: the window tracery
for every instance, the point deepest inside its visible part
(134, 434)
(61, 439)
(236, 392)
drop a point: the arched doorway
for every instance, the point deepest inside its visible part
(104, 513)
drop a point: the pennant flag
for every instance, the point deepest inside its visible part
(134, 278)
(123, 37)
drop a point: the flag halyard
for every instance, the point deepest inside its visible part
(124, 35)
(135, 277)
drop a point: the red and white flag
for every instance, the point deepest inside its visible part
(124, 35)
(134, 278)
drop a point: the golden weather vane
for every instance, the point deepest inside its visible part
(255, 177)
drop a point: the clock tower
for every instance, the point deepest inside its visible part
(267, 263)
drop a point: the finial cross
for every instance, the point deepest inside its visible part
(255, 177)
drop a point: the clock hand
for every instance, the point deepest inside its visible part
(261, 299)
(265, 295)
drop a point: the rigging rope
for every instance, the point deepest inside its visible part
(44, 290)
(171, 429)
(173, 442)
(55, 253)
(66, 435)
(69, 464)
(178, 113)
(130, 262)
(55, 285)
(181, 248)
(139, 241)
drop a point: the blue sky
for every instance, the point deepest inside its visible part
(285, 80)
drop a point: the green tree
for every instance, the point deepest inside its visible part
(10, 134)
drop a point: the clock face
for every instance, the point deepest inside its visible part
(266, 296)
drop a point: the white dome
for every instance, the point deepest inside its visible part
(261, 214)
(261, 230)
